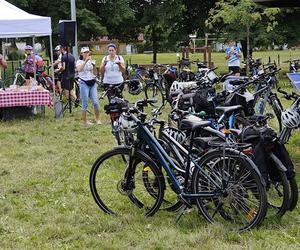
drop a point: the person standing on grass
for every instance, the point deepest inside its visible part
(57, 65)
(233, 55)
(88, 87)
(112, 67)
(67, 70)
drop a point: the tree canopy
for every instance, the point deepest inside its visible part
(167, 23)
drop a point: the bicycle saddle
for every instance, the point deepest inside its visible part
(193, 125)
(226, 109)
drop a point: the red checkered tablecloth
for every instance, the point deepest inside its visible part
(25, 98)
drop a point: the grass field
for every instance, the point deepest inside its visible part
(45, 201)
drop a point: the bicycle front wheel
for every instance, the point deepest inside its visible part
(153, 91)
(107, 178)
(242, 201)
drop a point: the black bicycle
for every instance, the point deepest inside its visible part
(224, 183)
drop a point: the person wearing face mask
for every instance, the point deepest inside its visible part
(112, 67)
(88, 87)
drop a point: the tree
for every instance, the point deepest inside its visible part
(243, 15)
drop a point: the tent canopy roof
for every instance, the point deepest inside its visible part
(15, 22)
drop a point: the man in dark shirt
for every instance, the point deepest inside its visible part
(68, 73)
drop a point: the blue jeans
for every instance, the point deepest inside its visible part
(87, 92)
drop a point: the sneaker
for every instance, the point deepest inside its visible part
(87, 124)
(98, 122)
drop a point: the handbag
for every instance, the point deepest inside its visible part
(89, 83)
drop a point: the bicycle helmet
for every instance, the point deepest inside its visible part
(126, 123)
(290, 118)
(134, 87)
(178, 87)
(28, 47)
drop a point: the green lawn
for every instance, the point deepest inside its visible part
(45, 201)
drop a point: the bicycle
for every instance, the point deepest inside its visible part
(224, 183)
(152, 85)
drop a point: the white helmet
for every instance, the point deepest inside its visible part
(177, 87)
(290, 118)
(126, 123)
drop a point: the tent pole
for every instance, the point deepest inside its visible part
(33, 43)
(52, 70)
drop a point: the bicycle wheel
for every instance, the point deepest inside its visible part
(294, 194)
(242, 203)
(107, 183)
(278, 194)
(153, 91)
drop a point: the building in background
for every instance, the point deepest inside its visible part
(99, 46)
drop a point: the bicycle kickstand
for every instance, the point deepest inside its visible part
(184, 210)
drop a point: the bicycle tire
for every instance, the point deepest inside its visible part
(294, 194)
(234, 191)
(153, 91)
(126, 200)
(277, 107)
(279, 190)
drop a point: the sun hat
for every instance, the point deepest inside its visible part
(28, 47)
(84, 49)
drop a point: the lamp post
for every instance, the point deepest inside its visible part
(73, 18)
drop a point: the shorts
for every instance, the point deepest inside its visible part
(28, 75)
(67, 84)
(234, 69)
(57, 76)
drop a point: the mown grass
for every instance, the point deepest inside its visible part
(45, 201)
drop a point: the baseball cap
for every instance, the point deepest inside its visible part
(84, 49)
(28, 47)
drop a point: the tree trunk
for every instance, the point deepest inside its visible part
(154, 44)
(248, 49)
(244, 48)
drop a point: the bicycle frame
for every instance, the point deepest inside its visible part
(166, 162)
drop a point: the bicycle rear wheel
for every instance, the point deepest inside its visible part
(153, 91)
(294, 194)
(242, 204)
(107, 179)
(278, 194)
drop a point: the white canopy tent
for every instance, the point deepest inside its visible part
(15, 23)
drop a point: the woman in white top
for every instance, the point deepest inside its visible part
(112, 66)
(88, 87)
